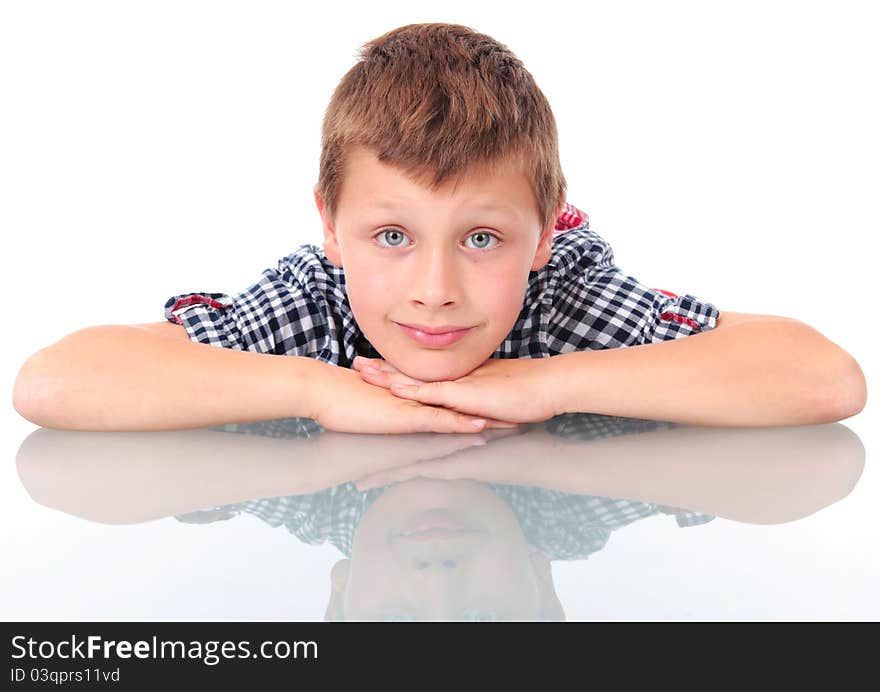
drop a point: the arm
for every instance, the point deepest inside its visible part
(759, 476)
(751, 370)
(134, 477)
(152, 377)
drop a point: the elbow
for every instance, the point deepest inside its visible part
(30, 391)
(850, 391)
(21, 399)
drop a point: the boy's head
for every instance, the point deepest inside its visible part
(439, 189)
(434, 549)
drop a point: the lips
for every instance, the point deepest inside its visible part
(435, 330)
(436, 534)
(437, 523)
(434, 336)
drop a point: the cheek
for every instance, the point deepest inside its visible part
(502, 292)
(368, 289)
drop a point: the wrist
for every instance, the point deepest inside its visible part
(561, 381)
(313, 380)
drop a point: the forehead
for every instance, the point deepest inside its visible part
(370, 181)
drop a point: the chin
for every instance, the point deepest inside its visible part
(426, 373)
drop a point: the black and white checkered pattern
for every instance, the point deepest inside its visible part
(564, 526)
(579, 301)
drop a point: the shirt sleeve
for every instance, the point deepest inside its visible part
(596, 305)
(277, 315)
(685, 517)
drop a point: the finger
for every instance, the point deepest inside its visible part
(438, 419)
(432, 393)
(499, 434)
(452, 468)
(386, 379)
(383, 366)
(408, 472)
(374, 377)
(438, 447)
(360, 363)
(379, 364)
(442, 469)
(436, 393)
(491, 423)
(375, 480)
(441, 394)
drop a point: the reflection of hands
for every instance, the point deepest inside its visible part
(343, 457)
(390, 450)
(489, 463)
(520, 390)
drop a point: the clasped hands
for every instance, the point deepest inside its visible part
(515, 390)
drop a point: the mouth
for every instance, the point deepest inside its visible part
(434, 336)
(436, 534)
(437, 524)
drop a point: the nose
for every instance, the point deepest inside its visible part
(441, 583)
(435, 279)
(442, 564)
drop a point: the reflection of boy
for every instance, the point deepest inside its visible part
(381, 579)
(383, 576)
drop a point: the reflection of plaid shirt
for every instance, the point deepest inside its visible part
(564, 526)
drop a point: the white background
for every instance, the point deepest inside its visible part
(728, 150)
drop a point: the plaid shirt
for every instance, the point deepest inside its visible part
(579, 300)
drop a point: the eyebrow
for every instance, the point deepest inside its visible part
(390, 205)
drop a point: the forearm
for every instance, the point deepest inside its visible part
(125, 378)
(163, 474)
(762, 373)
(171, 473)
(710, 470)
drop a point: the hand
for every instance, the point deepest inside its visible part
(334, 458)
(519, 390)
(497, 461)
(343, 402)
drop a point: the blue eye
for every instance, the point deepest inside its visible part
(484, 237)
(392, 232)
(394, 238)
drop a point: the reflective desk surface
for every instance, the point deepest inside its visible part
(583, 517)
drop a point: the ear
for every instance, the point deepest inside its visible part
(545, 242)
(338, 581)
(331, 241)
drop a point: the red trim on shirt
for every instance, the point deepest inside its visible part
(678, 318)
(570, 217)
(672, 316)
(194, 300)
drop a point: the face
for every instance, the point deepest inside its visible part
(457, 258)
(441, 550)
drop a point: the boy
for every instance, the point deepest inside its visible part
(466, 277)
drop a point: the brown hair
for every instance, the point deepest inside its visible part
(439, 100)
